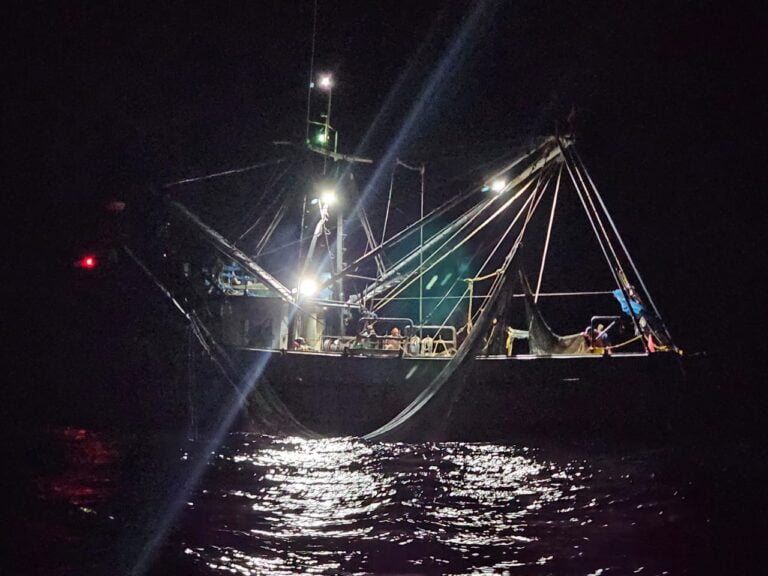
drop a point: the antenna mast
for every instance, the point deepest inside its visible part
(310, 83)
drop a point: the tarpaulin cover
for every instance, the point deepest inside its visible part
(637, 308)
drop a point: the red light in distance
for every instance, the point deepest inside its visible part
(88, 262)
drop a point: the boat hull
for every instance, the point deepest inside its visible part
(491, 398)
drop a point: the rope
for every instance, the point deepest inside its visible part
(489, 257)
(512, 252)
(549, 234)
(389, 202)
(420, 271)
(471, 235)
(225, 173)
(597, 214)
(599, 239)
(533, 206)
(471, 287)
(621, 241)
(311, 66)
(481, 278)
(616, 346)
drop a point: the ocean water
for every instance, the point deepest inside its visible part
(86, 501)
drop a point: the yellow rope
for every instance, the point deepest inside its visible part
(469, 312)
(622, 344)
(659, 347)
(481, 278)
(471, 282)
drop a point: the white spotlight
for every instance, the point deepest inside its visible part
(498, 185)
(307, 287)
(328, 196)
(325, 82)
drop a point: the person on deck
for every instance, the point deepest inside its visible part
(649, 327)
(367, 336)
(602, 341)
(393, 343)
(597, 339)
(300, 344)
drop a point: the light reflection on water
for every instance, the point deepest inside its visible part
(292, 506)
(85, 502)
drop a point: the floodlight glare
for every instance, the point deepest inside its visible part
(328, 196)
(307, 287)
(325, 82)
(498, 185)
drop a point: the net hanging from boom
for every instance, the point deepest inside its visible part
(494, 306)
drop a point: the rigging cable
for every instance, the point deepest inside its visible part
(265, 238)
(452, 227)
(456, 281)
(258, 389)
(477, 211)
(389, 202)
(190, 380)
(616, 279)
(191, 318)
(465, 351)
(549, 234)
(461, 242)
(225, 173)
(256, 205)
(416, 273)
(533, 206)
(597, 215)
(620, 273)
(621, 242)
(310, 83)
(548, 154)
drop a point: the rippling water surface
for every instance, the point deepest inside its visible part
(294, 506)
(109, 504)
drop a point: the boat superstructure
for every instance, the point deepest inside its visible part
(354, 326)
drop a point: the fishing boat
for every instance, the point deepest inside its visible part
(295, 283)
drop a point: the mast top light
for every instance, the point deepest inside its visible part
(308, 287)
(325, 82)
(328, 196)
(498, 185)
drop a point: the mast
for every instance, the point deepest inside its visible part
(340, 264)
(294, 318)
(329, 194)
(310, 83)
(421, 256)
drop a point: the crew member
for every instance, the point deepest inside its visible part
(393, 342)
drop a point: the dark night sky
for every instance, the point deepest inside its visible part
(104, 98)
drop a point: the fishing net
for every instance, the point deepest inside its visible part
(542, 341)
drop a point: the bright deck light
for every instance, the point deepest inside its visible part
(307, 287)
(328, 196)
(498, 185)
(325, 82)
